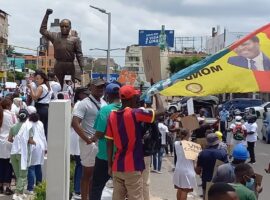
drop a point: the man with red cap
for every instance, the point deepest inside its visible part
(125, 132)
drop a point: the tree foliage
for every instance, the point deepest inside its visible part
(178, 63)
(18, 76)
(31, 66)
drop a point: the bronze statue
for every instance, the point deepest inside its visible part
(66, 46)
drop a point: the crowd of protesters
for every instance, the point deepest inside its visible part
(118, 138)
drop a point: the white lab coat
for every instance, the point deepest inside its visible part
(20, 145)
(9, 119)
(38, 150)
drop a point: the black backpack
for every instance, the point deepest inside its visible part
(151, 138)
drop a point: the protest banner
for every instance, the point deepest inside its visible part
(190, 122)
(191, 149)
(217, 164)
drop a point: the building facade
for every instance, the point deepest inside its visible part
(219, 41)
(16, 63)
(3, 44)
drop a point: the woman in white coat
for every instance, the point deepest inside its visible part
(38, 151)
(7, 120)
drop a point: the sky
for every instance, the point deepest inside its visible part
(185, 17)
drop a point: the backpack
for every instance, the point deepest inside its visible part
(238, 132)
(151, 138)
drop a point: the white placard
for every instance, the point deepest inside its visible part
(67, 77)
(190, 106)
(11, 85)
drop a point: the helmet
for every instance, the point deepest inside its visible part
(219, 134)
(240, 152)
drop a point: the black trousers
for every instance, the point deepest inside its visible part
(223, 130)
(43, 111)
(251, 151)
(5, 171)
(169, 142)
(100, 178)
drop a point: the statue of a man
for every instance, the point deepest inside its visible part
(66, 47)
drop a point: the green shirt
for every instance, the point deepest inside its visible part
(243, 192)
(14, 130)
(100, 126)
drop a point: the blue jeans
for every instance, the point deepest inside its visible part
(34, 172)
(157, 159)
(77, 175)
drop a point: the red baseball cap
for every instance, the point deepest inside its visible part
(127, 92)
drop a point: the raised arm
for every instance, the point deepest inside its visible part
(43, 28)
(160, 110)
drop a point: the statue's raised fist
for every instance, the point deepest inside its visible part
(49, 11)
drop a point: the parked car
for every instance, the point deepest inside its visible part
(241, 104)
(266, 130)
(259, 110)
(209, 103)
(174, 106)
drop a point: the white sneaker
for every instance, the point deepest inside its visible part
(23, 196)
(16, 197)
(29, 192)
(76, 196)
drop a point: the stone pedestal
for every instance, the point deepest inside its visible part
(58, 162)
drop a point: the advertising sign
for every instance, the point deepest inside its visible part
(151, 37)
(113, 77)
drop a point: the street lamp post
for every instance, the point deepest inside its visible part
(109, 39)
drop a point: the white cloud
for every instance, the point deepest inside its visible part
(186, 17)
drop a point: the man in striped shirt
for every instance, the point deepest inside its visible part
(124, 131)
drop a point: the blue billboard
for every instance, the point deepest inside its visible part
(113, 77)
(151, 37)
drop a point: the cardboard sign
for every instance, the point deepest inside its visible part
(208, 185)
(190, 122)
(67, 78)
(85, 79)
(217, 164)
(191, 149)
(259, 178)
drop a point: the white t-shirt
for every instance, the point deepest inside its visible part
(163, 129)
(251, 128)
(87, 111)
(45, 90)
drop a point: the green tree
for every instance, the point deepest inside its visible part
(178, 63)
(31, 66)
(18, 76)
